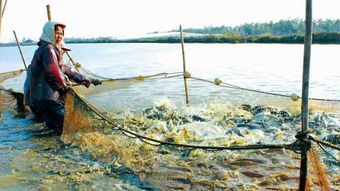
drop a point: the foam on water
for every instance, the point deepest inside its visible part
(109, 160)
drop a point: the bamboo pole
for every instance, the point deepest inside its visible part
(19, 47)
(305, 91)
(3, 9)
(0, 18)
(72, 60)
(48, 7)
(2, 12)
(49, 17)
(184, 67)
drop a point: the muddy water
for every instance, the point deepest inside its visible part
(177, 168)
(32, 160)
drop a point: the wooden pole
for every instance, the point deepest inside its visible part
(184, 67)
(2, 12)
(0, 17)
(3, 9)
(48, 7)
(49, 12)
(72, 61)
(19, 47)
(305, 91)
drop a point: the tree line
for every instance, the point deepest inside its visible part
(284, 31)
(318, 38)
(282, 27)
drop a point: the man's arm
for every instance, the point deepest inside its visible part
(53, 74)
(75, 76)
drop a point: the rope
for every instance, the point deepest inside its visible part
(302, 142)
(324, 150)
(303, 137)
(174, 76)
(116, 126)
(167, 75)
(164, 74)
(9, 91)
(153, 76)
(12, 72)
(223, 84)
(325, 143)
(105, 78)
(139, 77)
(6, 75)
(93, 74)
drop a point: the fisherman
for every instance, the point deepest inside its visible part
(47, 78)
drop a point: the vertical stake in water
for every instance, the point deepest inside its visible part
(305, 91)
(72, 61)
(184, 67)
(48, 7)
(3, 9)
(49, 12)
(0, 16)
(19, 47)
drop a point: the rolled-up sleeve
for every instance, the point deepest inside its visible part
(74, 75)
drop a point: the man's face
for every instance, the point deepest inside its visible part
(59, 34)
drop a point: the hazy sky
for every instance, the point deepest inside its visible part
(117, 18)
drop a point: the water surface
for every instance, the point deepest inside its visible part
(273, 68)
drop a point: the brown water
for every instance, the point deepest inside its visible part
(30, 161)
(34, 160)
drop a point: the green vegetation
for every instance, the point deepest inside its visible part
(282, 27)
(318, 38)
(284, 31)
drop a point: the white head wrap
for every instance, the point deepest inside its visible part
(48, 33)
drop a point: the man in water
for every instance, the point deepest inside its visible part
(47, 78)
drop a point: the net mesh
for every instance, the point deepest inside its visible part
(171, 167)
(8, 97)
(318, 169)
(114, 84)
(174, 168)
(241, 117)
(7, 75)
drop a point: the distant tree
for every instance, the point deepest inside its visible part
(282, 27)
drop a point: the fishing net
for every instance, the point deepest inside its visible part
(214, 144)
(8, 97)
(114, 84)
(193, 149)
(7, 75)
(291, 102)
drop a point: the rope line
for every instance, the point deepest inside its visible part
(325, 143)
(167, 75)
(106, 78)
(237, 147)
(9, 90)
(223, 84)
(12, 72)
(299, 146)
(93, 74)
(174, 76)
(324, 150)
(302, 142)
(296, 145)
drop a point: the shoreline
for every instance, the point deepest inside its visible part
(318, 38)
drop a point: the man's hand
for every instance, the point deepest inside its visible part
(86, 83)
(96, 82)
